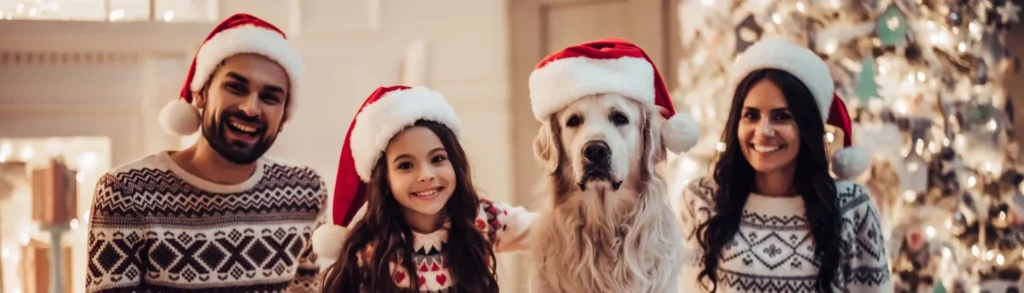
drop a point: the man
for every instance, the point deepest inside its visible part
(217, 216)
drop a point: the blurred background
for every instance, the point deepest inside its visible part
(82, 81)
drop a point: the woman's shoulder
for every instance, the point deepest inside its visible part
(851, 195)
(856, 204)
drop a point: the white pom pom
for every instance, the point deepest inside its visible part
(179, 118)
(680, 133)
(328, 241)
(849, 163)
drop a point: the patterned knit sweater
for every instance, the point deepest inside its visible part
(773, 250)
(505, 226)
(156, 228)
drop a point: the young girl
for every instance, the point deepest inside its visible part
(402, 155)
(772, 219)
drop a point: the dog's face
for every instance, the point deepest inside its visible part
(595, 142)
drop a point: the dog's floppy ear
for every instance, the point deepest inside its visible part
(655, 125)
(546, 145)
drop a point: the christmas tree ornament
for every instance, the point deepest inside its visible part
(747, 33)
(955, 17)
(1009, 12)
(892, 27)
(867, 87)
(958, 223)
(1000, 215)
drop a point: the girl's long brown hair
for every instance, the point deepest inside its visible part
(470, 255)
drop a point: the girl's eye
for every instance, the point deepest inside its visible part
(404, 166)
(438, 159)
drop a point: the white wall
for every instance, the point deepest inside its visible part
(350, 48)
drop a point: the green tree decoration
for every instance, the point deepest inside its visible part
(867, 87)
(892, 26)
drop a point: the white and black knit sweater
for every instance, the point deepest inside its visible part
(156, 228)
(773, 250)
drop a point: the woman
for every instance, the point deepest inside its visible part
(403, 155)
(771, 218)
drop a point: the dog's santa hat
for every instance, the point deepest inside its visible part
(781, 54)
(608, 66)
(384, 114)
(239, 34)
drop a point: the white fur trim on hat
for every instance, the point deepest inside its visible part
(380, 121)
(179, 117)
(255, 40)
(328, 241)
(850, 162)
(680, 133)
(563, 81)
(778, 53)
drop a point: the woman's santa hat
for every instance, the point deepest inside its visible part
(608, 66)
(778, 53)
(239, 34)
(387, 111)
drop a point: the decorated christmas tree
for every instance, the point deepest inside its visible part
(924, 81)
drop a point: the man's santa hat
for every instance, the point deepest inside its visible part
(778, 53)
(608, 66)
(384, 114)
(239, 34)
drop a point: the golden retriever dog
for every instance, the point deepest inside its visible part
(605, 223)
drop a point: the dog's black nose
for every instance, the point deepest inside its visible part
(597, 151)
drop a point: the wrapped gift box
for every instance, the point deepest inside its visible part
(36, 267)
(54, 193)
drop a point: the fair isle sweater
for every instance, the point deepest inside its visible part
(774, 250)
(506, 227)
(156, 228)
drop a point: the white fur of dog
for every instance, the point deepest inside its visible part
(593, 237)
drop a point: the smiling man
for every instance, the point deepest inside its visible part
(217, 216)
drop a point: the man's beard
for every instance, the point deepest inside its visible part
(235, 152)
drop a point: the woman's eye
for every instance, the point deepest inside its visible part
(751, 116)
(404, 166)
(782, 117)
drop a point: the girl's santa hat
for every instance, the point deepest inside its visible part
(384, 114)
(608, 66)
(239, 34)
(778, 53)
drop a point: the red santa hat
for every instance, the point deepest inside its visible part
(608, 66)
(238, 34)
(781, 54)
(384, 114)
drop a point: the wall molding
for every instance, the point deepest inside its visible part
(19, 58)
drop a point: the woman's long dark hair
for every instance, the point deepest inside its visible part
(470, 256)
(735, 177)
